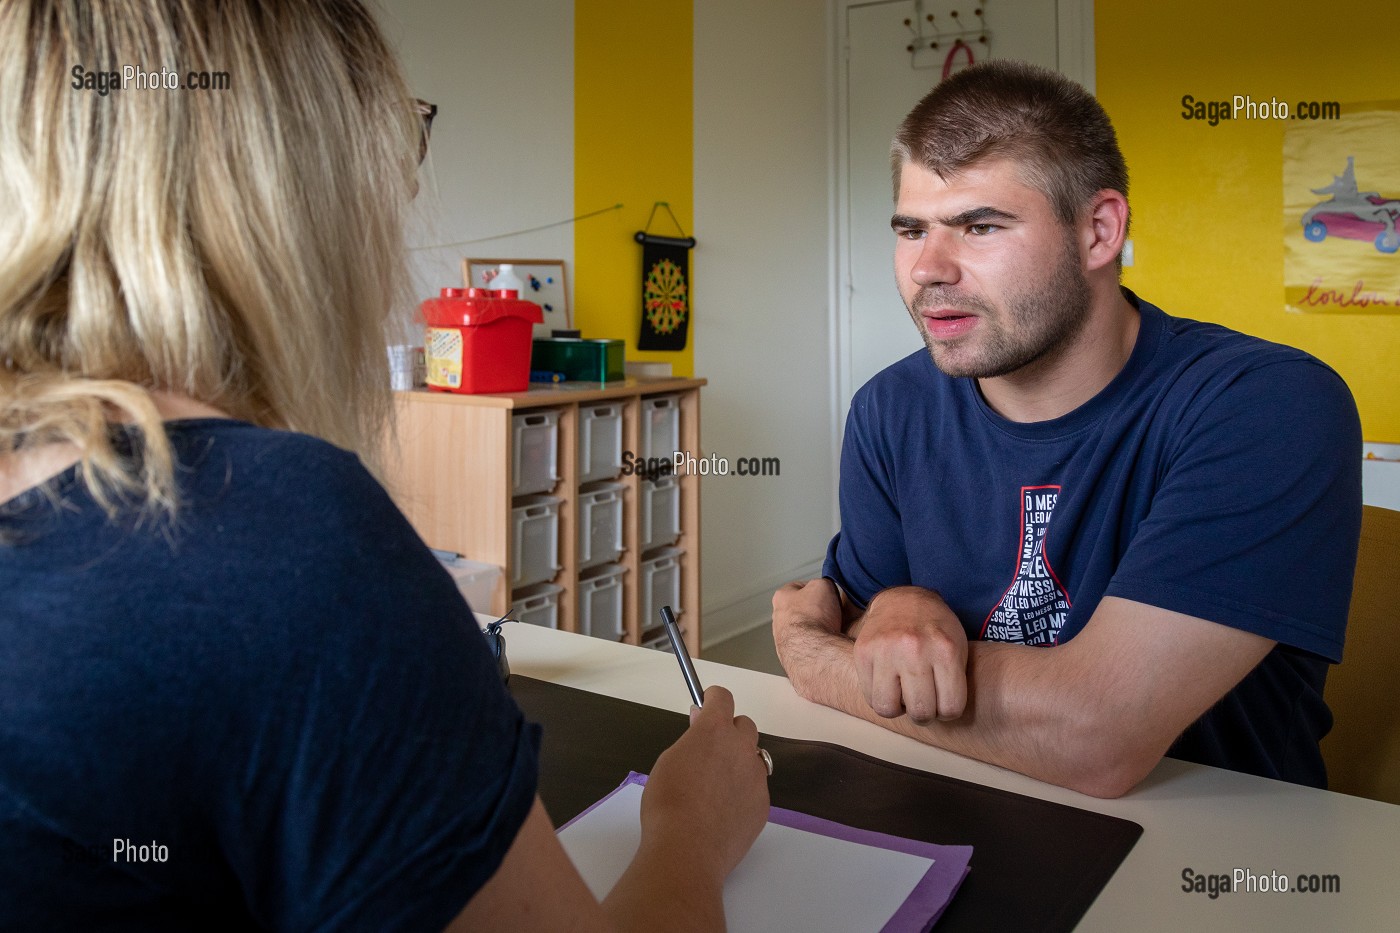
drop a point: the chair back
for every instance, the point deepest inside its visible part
(1363, 749)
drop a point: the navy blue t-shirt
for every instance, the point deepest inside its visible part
(1217, 475)
(284, 695)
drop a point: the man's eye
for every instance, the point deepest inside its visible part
(909, 233)
(981, 229)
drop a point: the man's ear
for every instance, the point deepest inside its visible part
(1105, 228)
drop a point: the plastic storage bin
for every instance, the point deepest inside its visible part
(661, 426)
(600, 524)
(661, 512)
(659, 640)
(477, 581)
(535, 442)
(600, 602)
(535, 551)
(659, 581)
(599, 442)
(537, 605)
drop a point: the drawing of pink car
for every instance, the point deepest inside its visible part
(1353, 215)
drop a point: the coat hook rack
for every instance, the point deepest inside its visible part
(948, 35)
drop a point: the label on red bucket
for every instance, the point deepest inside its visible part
(443, 349)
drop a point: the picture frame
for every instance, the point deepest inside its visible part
(546, 284)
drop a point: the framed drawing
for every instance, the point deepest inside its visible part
(544, 280)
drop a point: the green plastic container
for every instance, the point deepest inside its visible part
(580, 360)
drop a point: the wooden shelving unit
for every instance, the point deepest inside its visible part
(450, 467)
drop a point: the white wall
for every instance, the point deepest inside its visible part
(763, 302)
(502, 154)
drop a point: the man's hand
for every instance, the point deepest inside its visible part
(815, 604)
(806, 617)
(911, 656)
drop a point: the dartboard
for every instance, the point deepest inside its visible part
(664, 296)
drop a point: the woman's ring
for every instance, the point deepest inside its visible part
(767, 760)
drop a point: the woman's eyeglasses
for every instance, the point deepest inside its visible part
(426, 112)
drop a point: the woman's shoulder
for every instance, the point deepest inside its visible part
(218, 453)
(285, 488)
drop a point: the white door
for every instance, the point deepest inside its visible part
(882, 82)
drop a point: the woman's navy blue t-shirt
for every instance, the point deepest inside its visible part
(281, 696)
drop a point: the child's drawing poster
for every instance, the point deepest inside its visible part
(1341, 212)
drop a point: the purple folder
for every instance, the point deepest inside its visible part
(929, 897)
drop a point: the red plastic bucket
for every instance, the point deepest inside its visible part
(478, 340)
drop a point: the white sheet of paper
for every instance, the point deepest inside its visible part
(790, 880)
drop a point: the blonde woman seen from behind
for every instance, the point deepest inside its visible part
(239, 691)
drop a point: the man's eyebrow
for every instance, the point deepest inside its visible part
(976, 215)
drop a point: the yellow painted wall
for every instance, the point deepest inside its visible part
(1207, 201)
(633, 144)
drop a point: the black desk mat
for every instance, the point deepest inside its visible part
(1036, 865)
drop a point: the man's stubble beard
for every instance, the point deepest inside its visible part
(1042, 322)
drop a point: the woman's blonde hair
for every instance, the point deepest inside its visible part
(239, 246)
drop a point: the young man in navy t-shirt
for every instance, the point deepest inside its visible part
(1077, 533)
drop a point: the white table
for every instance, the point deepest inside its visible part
(1206, 819)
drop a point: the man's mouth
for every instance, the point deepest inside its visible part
(947, 323)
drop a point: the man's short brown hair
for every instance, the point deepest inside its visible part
(1054, 129)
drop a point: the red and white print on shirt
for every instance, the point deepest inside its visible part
(1034, 607)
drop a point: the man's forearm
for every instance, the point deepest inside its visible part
(1028, 727)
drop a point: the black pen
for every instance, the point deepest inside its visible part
(692, 680)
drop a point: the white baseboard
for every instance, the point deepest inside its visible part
(749, 611)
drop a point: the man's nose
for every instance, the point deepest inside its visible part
(936, 263)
